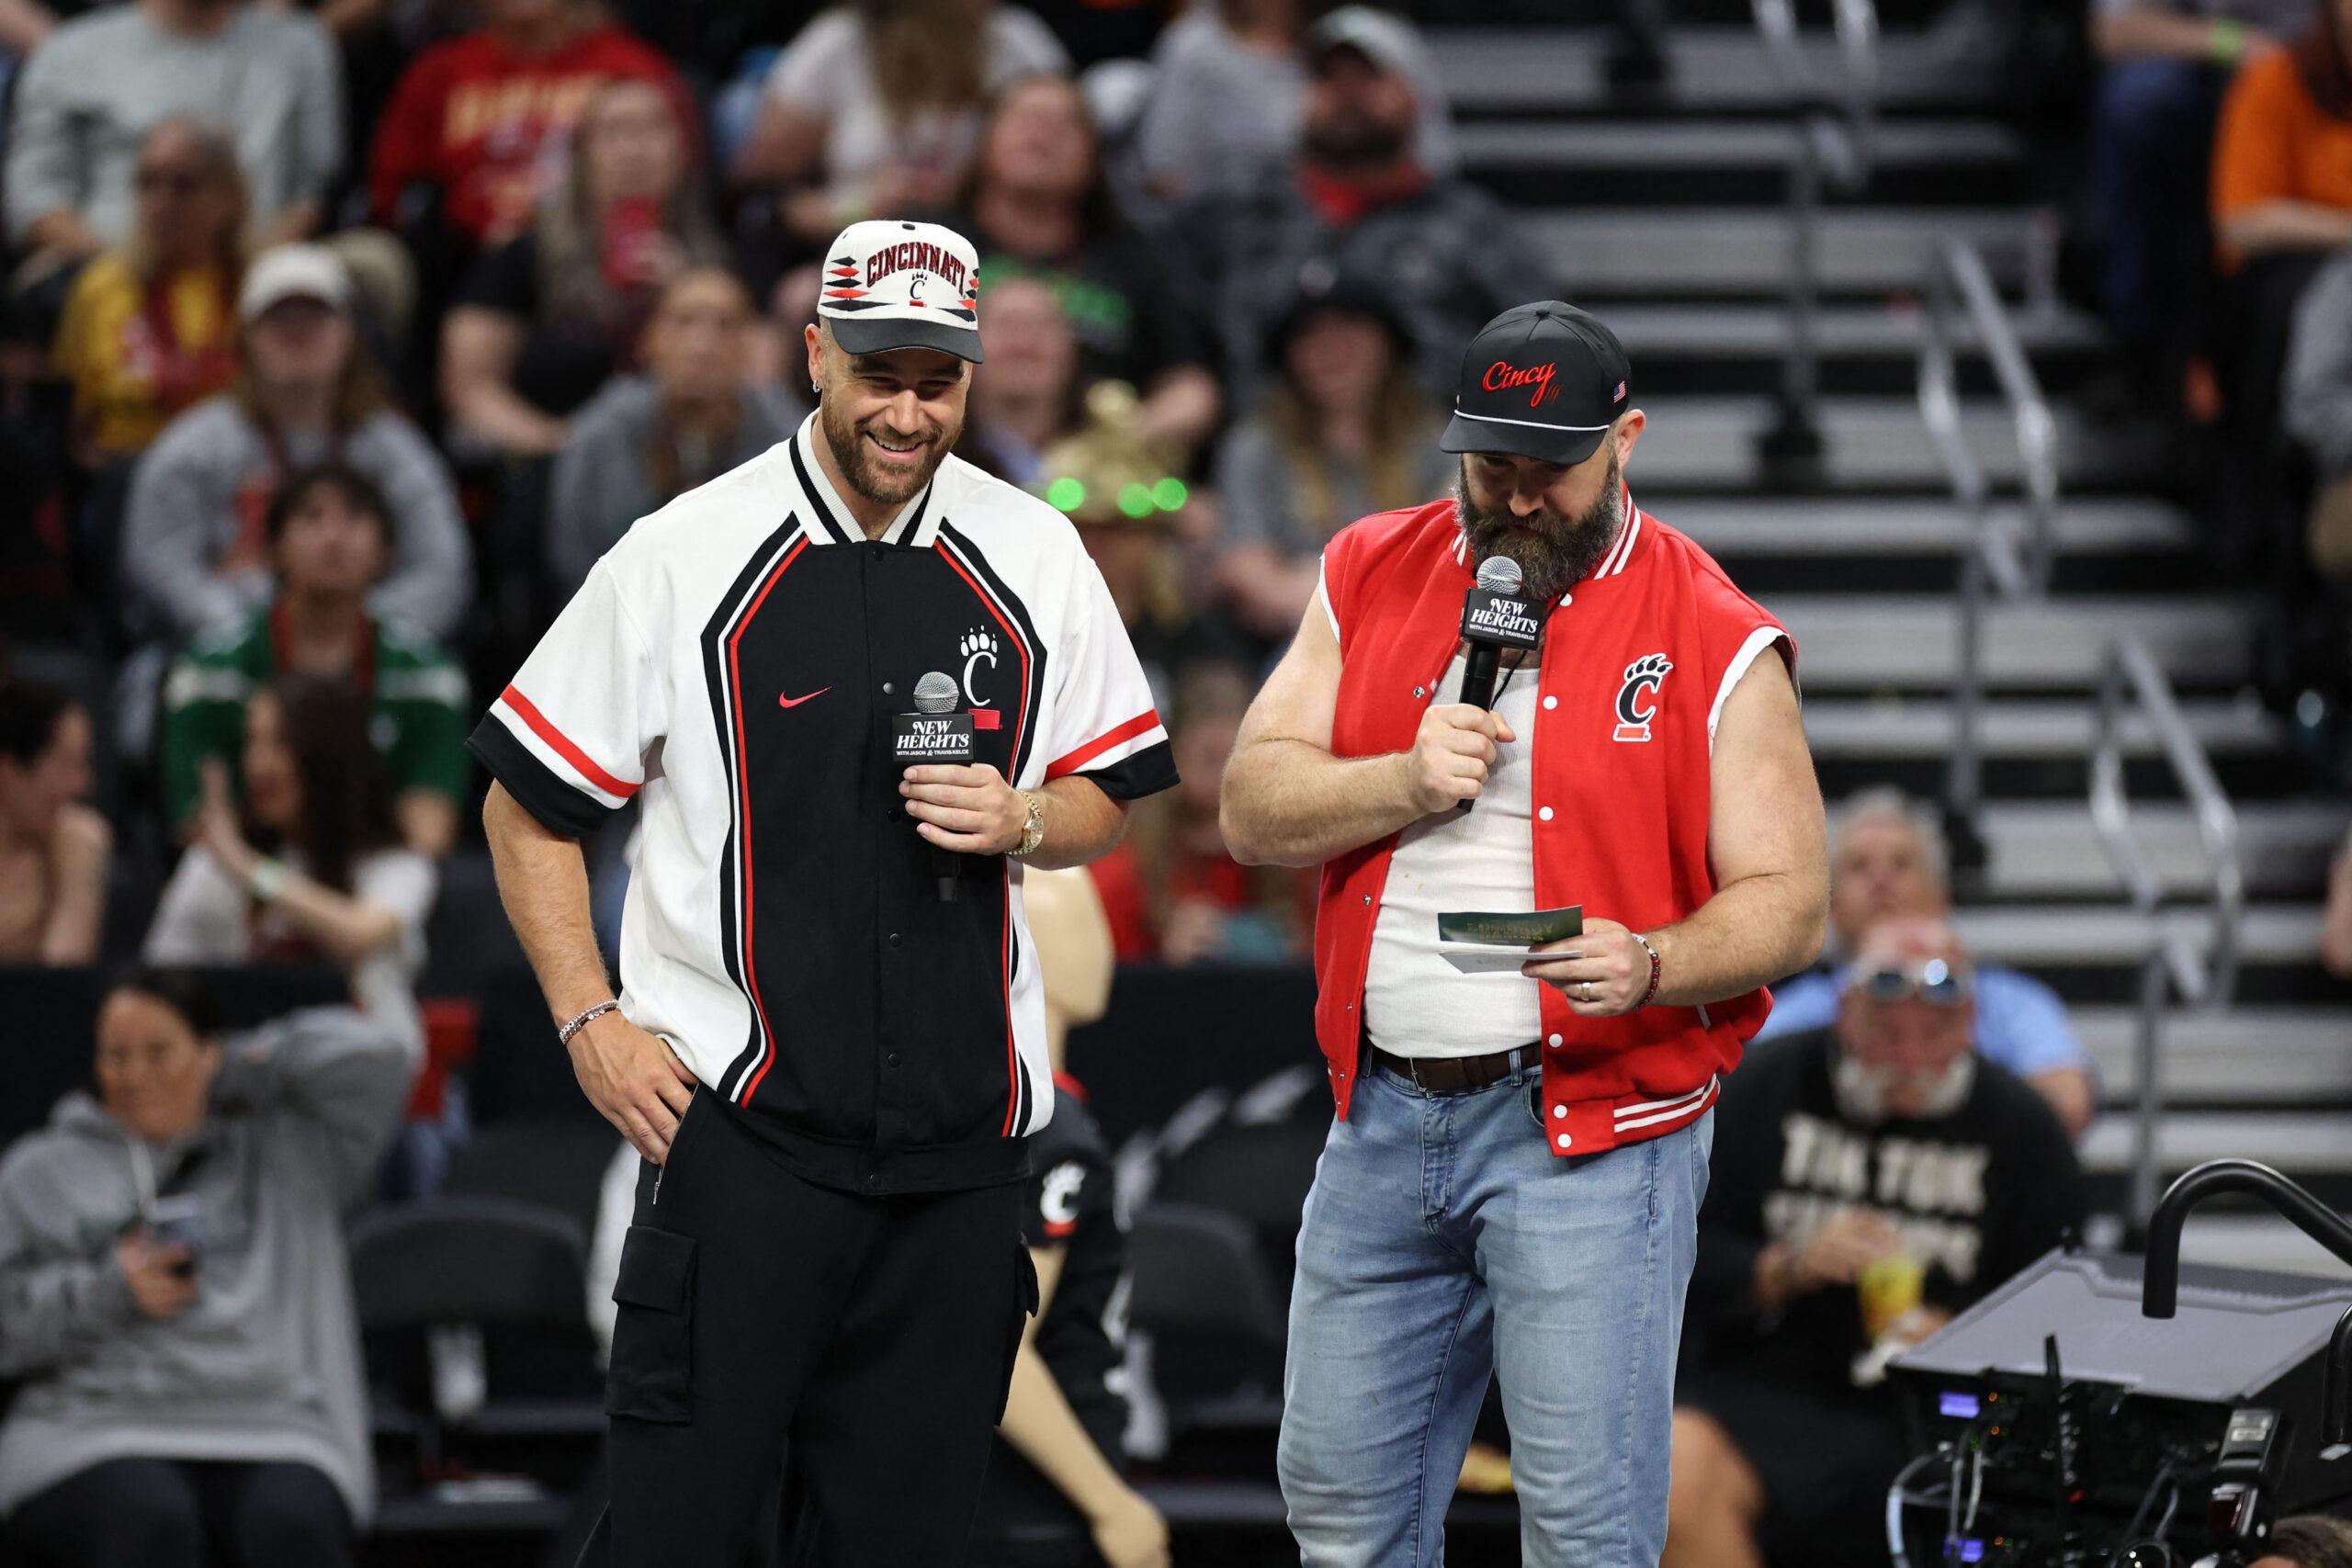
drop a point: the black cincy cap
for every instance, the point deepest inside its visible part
(1545, 380)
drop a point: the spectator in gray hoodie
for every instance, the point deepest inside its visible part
(646, 440)
(194, 549)
(174, 1293)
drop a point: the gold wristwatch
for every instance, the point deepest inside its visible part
(1033, 832)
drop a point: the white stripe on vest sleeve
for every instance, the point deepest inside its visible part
(1758, 641)
(1323, 596)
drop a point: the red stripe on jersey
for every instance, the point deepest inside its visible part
(987, 718)
(1093, 748)
(743, 782)
(1012, 1051)
(528, 712)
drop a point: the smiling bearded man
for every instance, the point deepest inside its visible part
(1514, 1177)
(831, 1051)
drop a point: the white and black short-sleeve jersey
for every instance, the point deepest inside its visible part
(736, 661)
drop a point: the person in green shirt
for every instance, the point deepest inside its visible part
(328, 531)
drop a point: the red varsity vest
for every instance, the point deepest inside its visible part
(1637, 661)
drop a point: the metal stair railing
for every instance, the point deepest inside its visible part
(1835, 122)
(2012, 561)
(2193, 963)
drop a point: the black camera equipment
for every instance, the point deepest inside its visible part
(2100, 1410)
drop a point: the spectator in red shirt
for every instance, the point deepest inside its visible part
(543, 321)
(1171, 891)
(476, 119)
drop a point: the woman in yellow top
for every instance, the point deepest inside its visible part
(148, 329)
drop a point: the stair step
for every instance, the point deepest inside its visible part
(1751, 331)
(1873, 442)
(2038, 749)
(1649, 163)
(2258, 1241)
(1644, 251)
(1913, 726)
(1713, 70)
(2050, 850)
(2299, 1142)
(1736, 144)
(1852, 643)
(1837, 527)
(2266, 1056)
(2051, 939)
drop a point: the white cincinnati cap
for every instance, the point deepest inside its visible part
(891, 284)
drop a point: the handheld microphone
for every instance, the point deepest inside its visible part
(1494, 618)
(934, 732)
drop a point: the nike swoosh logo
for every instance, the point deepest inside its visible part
(784, 701)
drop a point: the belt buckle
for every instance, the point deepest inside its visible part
(1413, 1067)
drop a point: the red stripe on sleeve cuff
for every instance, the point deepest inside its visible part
(1146, 720)
(530, 715)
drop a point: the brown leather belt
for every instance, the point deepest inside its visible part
(1455, 1074)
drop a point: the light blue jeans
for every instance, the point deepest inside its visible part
(1443, 1243)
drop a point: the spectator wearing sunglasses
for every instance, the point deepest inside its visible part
(1887, 858)
(1871, 1178)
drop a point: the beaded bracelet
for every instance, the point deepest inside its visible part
(1656, 969)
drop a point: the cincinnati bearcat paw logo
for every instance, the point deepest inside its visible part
(1637, 699)
(979, 647)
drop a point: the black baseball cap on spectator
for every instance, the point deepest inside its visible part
(1321, 288)
(1545, 380)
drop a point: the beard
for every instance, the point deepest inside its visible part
(1871, 1095)
(1355, 141)
(1554, 552)
(879, 482)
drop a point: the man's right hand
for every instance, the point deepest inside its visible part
(1840, 1250)
(160, 1279)
(1451, 755)
(635, 1079)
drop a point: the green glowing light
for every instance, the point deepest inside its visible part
(1135, 499)
(1170, 495)
(1066, 494)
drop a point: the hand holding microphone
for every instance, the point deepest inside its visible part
(1494, 617)
(959, 806)
(1451, 755)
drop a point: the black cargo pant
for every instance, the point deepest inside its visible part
(870, 1339)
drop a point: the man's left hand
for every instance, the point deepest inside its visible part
(1603, 971)
(967, 807)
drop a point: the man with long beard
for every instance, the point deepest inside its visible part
(1514, 1180)
(831, 1046)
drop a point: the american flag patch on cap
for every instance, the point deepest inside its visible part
(1619, 395)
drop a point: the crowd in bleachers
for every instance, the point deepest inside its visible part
(339, 340)
(2222, 150)
(344, 341)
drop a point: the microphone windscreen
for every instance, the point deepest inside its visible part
(1500, 574)
(935, 693)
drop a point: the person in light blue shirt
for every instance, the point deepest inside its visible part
(1888, 859)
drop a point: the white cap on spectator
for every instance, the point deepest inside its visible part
(293, 272)
(891, 284)
(1388, 41)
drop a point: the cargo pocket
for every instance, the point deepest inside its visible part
(652, 1366)
(1025, 1294)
